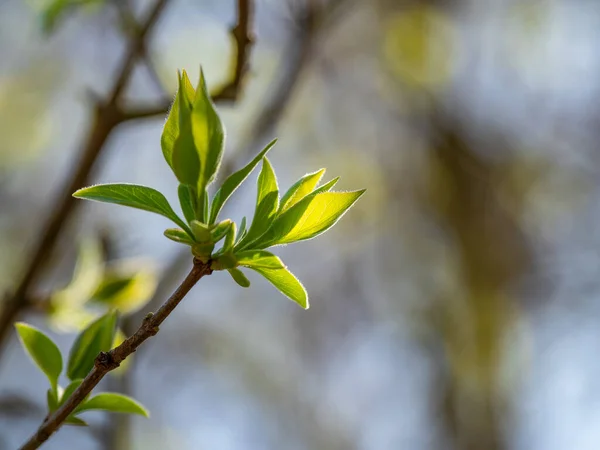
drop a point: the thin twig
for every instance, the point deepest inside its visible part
(243, 36)
(105, 362)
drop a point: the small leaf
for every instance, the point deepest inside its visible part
(186, 162)
(233, 182)
(113, 402)
(221, 230)
(259, 258)
(239, 277)
(178, 235)
(171, 128)
(267, 202)
(126, 287)
(229, 239)
(52, 400)
(187, 200)
(308, 218)
(133, 195)
(42, 350)
(72, 387)
(87, 274)
(97, 337)
(208, 134)
(201, 231)
(300, 189)
(326, 187)
(287, 283)
(243, 231)
(76, 421)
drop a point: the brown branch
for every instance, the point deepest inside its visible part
(243, 36)
(105, 362)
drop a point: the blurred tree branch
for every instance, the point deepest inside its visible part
(108, 114)
(105, 362)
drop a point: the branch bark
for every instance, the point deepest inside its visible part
(107, 361)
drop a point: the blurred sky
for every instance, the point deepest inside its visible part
(455, 307)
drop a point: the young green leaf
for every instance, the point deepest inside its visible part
(308, 218)
(42, 350)
(286, 282)
(201, 231)
(88, 273)
(134, 196)
(239, 277)
(243, 231)
(126, 288)
(221, 230)
(229, 239)
(204, 201)
(187, 200)
(326, 187)
(267, 202)
(178, 235)
(113, 402)
(76, 421)
(208, 134)
(72, 387)
(186, 162)
(234, 181)
(52, 400)
(171, 128)
(97, 337)
(259, 258)
(300, 189)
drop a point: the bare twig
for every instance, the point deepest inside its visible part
(105, 362)
(243, 36)
(108, 115)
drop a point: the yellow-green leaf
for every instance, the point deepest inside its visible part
(42, 350)
(300, 189)
(286, 282)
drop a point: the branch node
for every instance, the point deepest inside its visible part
(105, 361)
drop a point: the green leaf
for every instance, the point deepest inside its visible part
(286, 282)
(308, 218)
(178, 235)
(126, 287)
(239, 277)
(233, 182)
(208, 134)
(42, 350)
(229, 239)
(187, 200)
(300, 189)
(52, 400)
(267, 202)
(133, 195)
(113, 402)
(204, 201)
(221, 230)
(72, 387)
(243, 231)
(97, 337)
(326, 187)
(201, 231)
(171, 128)
(76, 421)
(87, 274)
(259, 258)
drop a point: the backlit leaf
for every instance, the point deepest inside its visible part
(134, 196)
(234, 181)
(42, 350)
(113, 402)
(287, 283)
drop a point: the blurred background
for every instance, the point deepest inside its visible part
(456, 306)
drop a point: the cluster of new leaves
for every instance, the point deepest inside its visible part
(192, 143)
(95, 338)
(97, 287)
